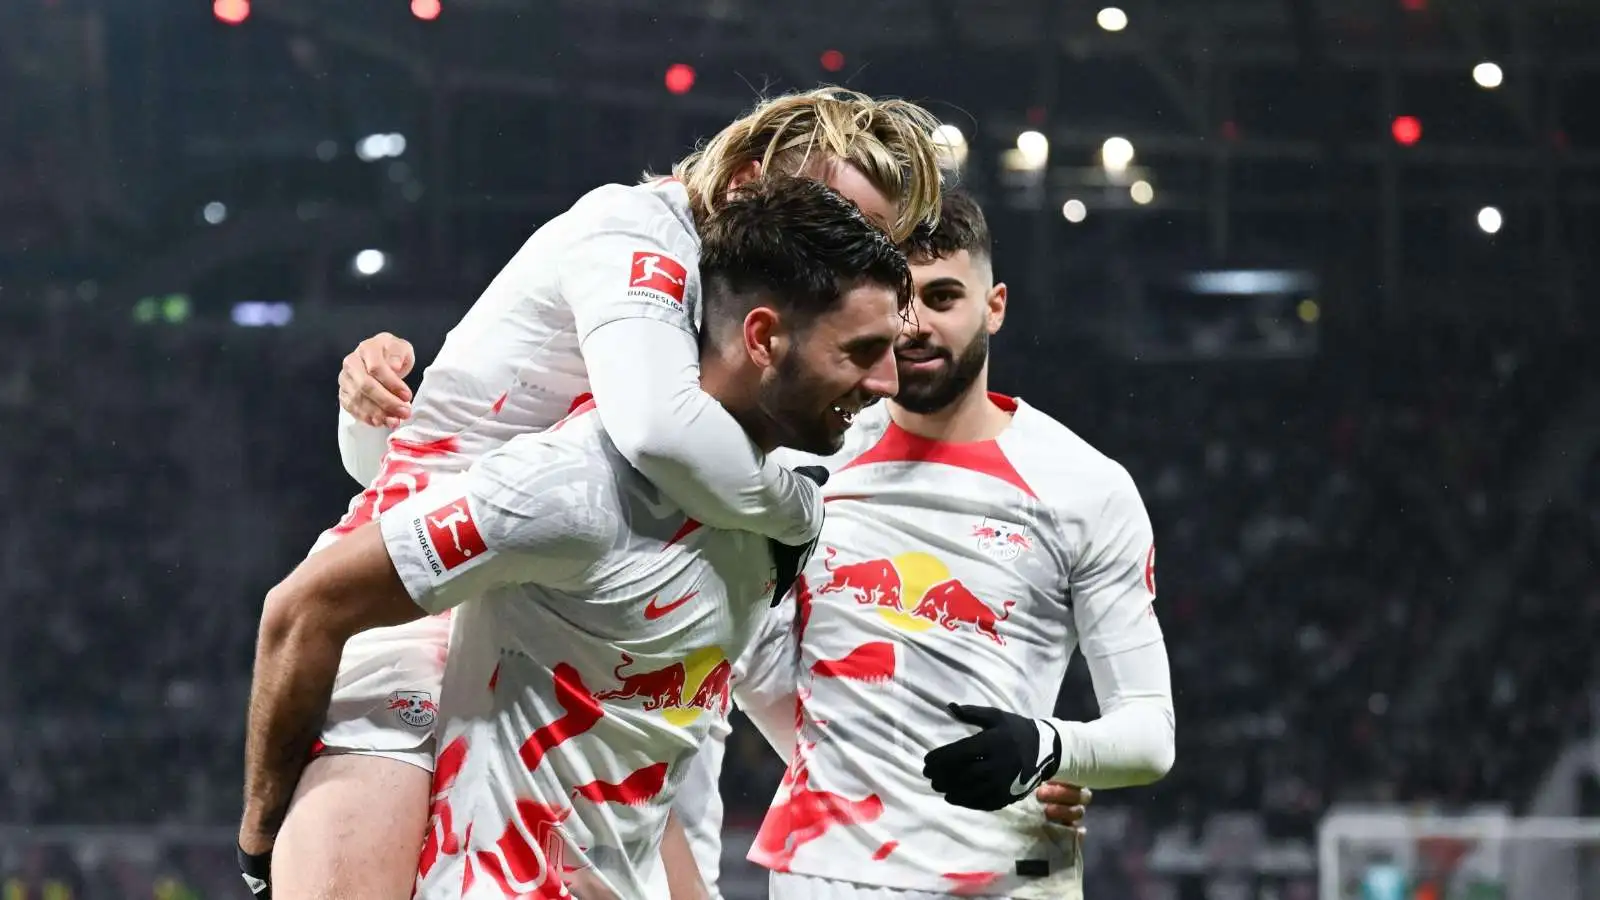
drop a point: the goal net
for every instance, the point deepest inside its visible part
(1396, 855)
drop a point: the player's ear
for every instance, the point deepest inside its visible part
(745, 174)
(996, 307)
(763, 336)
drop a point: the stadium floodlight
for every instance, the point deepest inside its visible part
(370, 262)
(1033, 150)
(1487, 75)
(1111, 19)
(1490, 220)
(1116, 154)
(1142, 192)
(951, 143)
(378, 146)
(1074, 211)
(215, 213)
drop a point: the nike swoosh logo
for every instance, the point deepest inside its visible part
(653, 610)
(1019, 789)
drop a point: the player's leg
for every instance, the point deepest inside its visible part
(355, 827)
(353, 830)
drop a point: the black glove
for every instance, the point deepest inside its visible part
(257, 872)
(999, 765)
(791, 561)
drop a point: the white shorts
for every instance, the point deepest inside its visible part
(386, 696)
(1068, 885)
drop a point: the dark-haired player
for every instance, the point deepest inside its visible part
(596, 623)
(972, 544)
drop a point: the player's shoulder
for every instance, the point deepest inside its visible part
(658, 209)
(1063, 469)
(569, 466)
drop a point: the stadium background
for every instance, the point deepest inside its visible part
(1329, 300)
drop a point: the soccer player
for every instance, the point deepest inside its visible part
(604, 299)
(972, 544)
(594, 648)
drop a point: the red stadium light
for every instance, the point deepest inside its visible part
(232, 12)
(426, 10)
(1407, 130)
(832, 60)
(680, 78)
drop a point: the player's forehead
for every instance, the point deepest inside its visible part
(954, 267)
(847, 179)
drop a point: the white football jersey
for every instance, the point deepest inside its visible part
(512, 364)
(592, 655)
(948, 573)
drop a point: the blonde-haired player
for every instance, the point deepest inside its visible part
(602, 300)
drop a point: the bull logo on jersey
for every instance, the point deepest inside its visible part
(1001, 541)
(914, 592)
(415, 708)
(681, 690)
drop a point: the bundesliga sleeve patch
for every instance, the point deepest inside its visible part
(450, 537)
(658, 277)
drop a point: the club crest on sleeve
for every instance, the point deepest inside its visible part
(658, 277)
(450, 537)
(1001, 541)
(1150, 570)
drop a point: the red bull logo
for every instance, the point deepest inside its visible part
(681, 691)
(915, 592)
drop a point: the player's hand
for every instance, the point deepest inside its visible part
(1064, 804)
(372, 385)
(257, 871)
(1005, 761)
(791, 561)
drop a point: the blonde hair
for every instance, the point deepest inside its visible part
(890, 141)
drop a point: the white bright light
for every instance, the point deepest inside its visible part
(1074, 211)
(1116, 153)
(370, 262)
(1141, 192)
(1034, 148)
(215, 213)
(1487, 75)
(948, 136)
(378, 146)
(951, 142)
(1111, 19)
(1490, 220)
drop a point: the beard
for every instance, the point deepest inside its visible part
(800, 408)
(929, 392)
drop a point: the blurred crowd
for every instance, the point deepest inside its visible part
(1320, 524)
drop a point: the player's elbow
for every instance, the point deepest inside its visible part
(292, 612)
(650, 444)
(1160, 751)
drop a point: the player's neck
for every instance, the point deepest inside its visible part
(970, 417)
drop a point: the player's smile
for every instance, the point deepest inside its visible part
(921, 358)
(845, 409)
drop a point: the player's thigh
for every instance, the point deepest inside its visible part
(353, 831)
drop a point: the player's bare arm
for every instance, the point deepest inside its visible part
(683, 875)
(350, 587)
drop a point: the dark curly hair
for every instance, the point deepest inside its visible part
(793, 244)
(962, 226)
